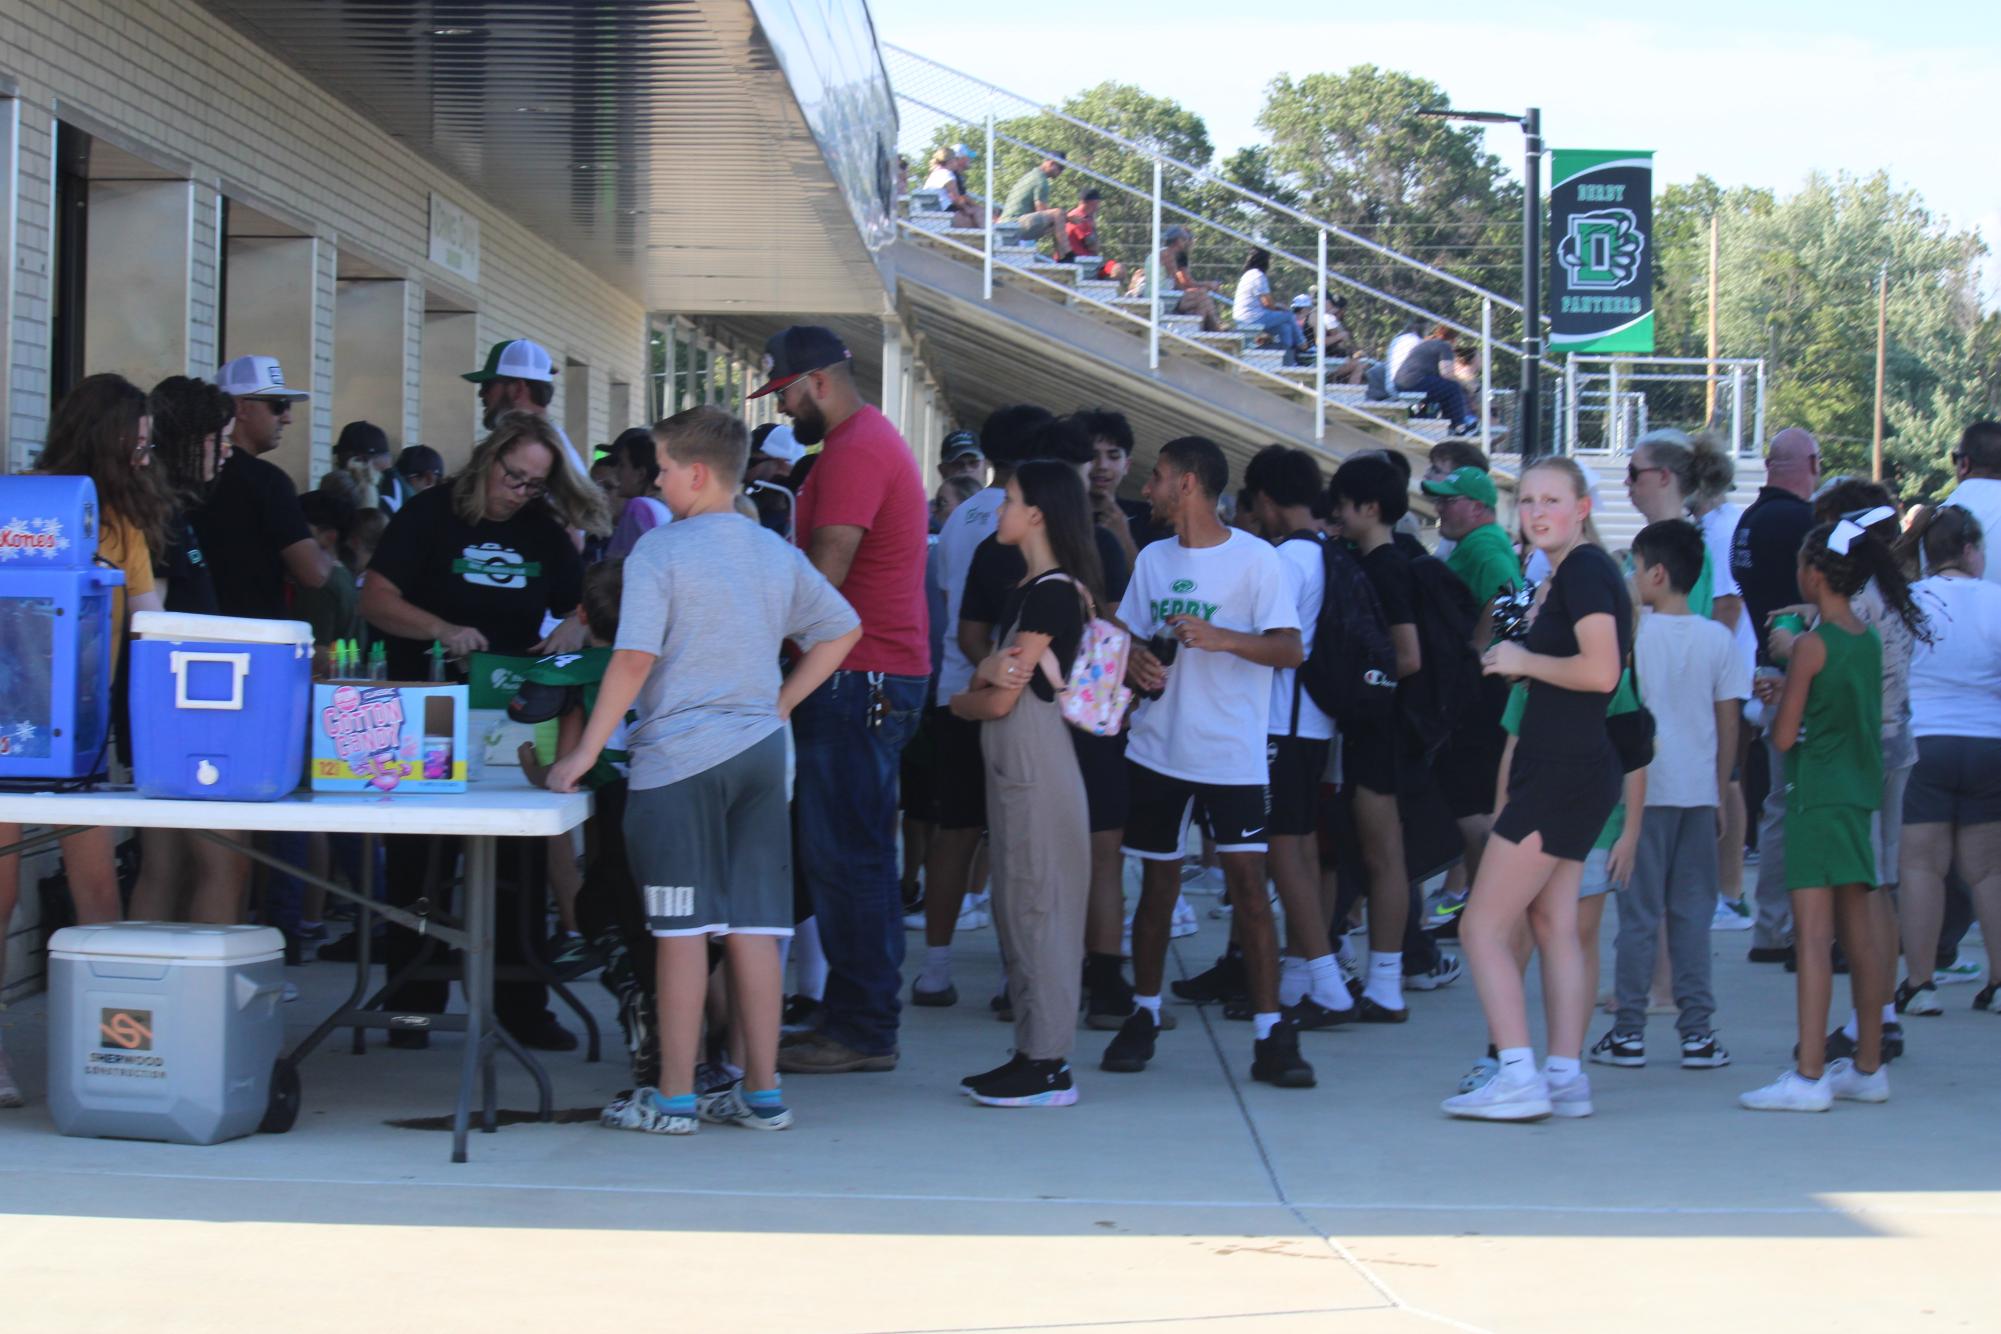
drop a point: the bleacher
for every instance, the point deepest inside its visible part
(1024, 263)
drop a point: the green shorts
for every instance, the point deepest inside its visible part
(1827, 846)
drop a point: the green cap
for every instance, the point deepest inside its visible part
(1469, 482)
(515, 359)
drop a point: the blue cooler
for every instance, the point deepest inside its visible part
(55, 630)
(219, 706)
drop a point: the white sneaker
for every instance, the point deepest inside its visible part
(1790, 1092)
(1963, 968)
(1441, 974)
(1571, 1099)
(1731, 915)
(1503, 1100)
(1851, 1085)
(1184, 923)
(974, 914)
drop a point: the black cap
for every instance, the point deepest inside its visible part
(361, 440)
(958, 445)
(796, 351)
(1093, 193)
(416, 460)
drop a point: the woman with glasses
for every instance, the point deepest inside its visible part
(101, 430)
(477, 565)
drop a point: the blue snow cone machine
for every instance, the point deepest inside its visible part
(55, 630)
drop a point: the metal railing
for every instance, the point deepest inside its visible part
(1609, 379)
(934, 98)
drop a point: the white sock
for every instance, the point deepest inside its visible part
(1562, 1069)
(1292, 981)
(1342, 954)
(1264, 1023)
(1517, 1064)
(1890, 1013)
(1326, 985)
(1151, 1004)
(1385, 983)
(937, 974)
(1853, 1028)
(812, 959)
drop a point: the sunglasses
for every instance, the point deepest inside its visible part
(278, 406)
(1634, 471)
(522, 482)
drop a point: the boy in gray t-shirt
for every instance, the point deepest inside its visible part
(708, 602)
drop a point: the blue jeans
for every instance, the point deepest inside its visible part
(1448, 394)
(846, 819)
(1280, 324)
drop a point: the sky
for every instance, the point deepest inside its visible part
(1760, 92)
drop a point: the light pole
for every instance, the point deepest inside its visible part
(1530, 424)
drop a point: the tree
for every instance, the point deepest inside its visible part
(1360, 156)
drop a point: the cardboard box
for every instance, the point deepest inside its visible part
(388, 736)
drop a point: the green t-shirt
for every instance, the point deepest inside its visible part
(584, 672)
(1030, 194)
(1485, 561)
(333, 609)
(1624, 700)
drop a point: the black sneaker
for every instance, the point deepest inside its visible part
(1028, 1084)
(1919, 999)
(1771, 954)
(1701, 1051)
(1893, 1042)
(971, 1082)
(943, 998)
(802, 1013)
(1224, 980)
(571, 957)
(1132, 1048)
(1108, 997)
(1276, 1059)
(1310, 1015)
(1984, 998)
(1370, 1011)
(1627, 1049)
(544, 1034)
(1002, 1007)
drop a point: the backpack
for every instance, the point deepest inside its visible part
(1437, 700)
(1096, 696)
(1352, 671)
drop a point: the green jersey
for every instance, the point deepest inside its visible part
(1838, 759)
(578, 676)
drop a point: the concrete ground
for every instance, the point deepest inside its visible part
(1182, 1199)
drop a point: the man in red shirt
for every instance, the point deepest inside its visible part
(1080, 225)
(863, 520)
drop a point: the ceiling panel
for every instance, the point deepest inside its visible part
(659, 143)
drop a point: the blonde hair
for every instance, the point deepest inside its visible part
(576, 502)
(1702, 468)
(707, 435)
(354, 484)
(1580, 486)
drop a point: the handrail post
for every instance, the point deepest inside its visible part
(1320, 341)
(1736, 409)
(987, 209)
(1570, 404)
(1487, 374)
(1615, 414)
(1154, 280)
(1758, 412)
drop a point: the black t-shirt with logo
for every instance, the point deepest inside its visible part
(251, 516)
(499, 578)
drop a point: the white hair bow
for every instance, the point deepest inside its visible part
(1854, 524)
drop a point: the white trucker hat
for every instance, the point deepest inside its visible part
(256, 377)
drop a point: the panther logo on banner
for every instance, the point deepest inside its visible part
(1601, 251)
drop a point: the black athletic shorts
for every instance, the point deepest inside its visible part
(1469, 768)
(917, 767)
(1296, 765)
(1566, 801)
(1107, 786)
(958, 773)
(1158, 821)
(1377, 753)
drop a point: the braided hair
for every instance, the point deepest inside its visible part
(189, 416)
(1868, 557)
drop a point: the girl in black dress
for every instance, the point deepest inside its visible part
(1564, 781)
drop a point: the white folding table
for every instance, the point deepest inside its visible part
(502, 806)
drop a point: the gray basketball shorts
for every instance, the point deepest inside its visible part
(712, 854)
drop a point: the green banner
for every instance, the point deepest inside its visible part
(1601, 218)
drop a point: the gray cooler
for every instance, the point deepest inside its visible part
(163, 1031)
